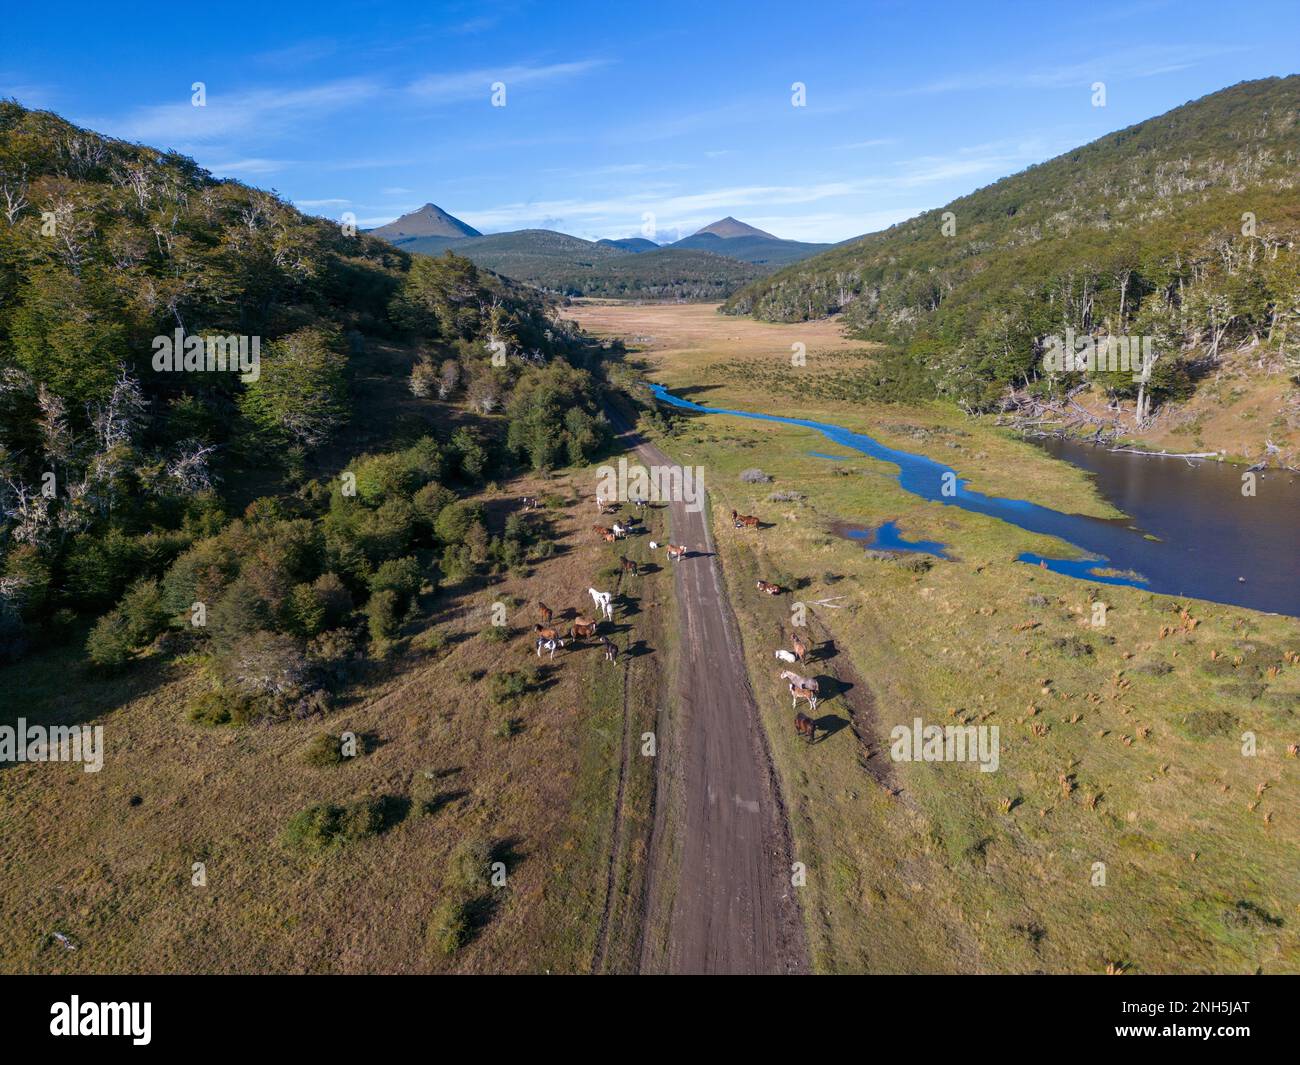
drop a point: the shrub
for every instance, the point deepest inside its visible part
(467, 868)
(754, 476)
(448, 927)
(109, 642)
(507, 686)
(323, 826)
(325, 750)
(497, 634)
(222, 707)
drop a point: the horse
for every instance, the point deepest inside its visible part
(799, 647)
(638, 502)
(805, 726)
(604, 602)
(530, 502)
(676, 552)
(802, 693)
(654, 546)
(611, 537)
(620, 530)
(583, 629)
(611, 649)
(784, 656)
(548, 645)
(600, 505)
(768, 587)
(629, 566)
(807, 683)
(545, 612)
(744, 521)
(602, 530)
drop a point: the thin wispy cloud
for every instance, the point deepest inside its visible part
(258, 112)
(467, 84)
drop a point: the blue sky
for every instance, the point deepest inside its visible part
(613, 111)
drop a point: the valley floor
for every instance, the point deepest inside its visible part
(1142, 815)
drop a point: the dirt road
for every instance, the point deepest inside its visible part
(720, 898)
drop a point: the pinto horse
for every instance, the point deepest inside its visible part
(676, 552)
(805, 726)
(768, 587)
(611, 649)
(548, 645)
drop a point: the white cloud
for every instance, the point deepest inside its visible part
(467, 84)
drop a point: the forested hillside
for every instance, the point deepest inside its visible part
(570, 266)
(1182, 228)
(206, 505)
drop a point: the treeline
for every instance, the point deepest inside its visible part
(1183, 229)
(122, 483)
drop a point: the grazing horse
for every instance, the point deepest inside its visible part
(805, 726)
(611, 649)
(620, 530)
(548, 645)
(600, 505)
(768, 587)
(610, 538)
(676, 552)
(807, 683)
(744, 521)
(545, 612)
(638, 502)
(799, 647)
(604, 602)
(602, 530)
(530, 502)
(544, 632)
(802, 693)
(629, 566)
(583, 629)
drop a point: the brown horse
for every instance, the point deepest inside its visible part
(544, 632)
(602, 530)
(805, 726)
(629, 566)
(582, 629)
(802, 693)
(676, 552)
(799, 647)
(545, 612)
(768, 587)
(744, 521)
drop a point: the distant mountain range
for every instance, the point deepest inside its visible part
(709, 264)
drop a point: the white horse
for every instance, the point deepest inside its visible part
(604, 602)
(620, 530)
(786, 656)
(654, 546)
(798, 681)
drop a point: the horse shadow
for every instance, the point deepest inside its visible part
(823, 652)
(646, 569)
(638, 649)
(829, 687)
(829, 724)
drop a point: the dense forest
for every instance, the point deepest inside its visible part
(1183, 229)
(570, 266)
(172, 499)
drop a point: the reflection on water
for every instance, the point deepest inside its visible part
(1191, 531)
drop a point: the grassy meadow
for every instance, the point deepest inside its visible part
(1121, 743)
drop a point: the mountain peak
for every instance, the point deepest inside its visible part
(731, 227)
(429, 221)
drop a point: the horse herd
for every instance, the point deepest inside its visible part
(548, 638)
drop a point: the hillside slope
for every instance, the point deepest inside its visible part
(1182, 228)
